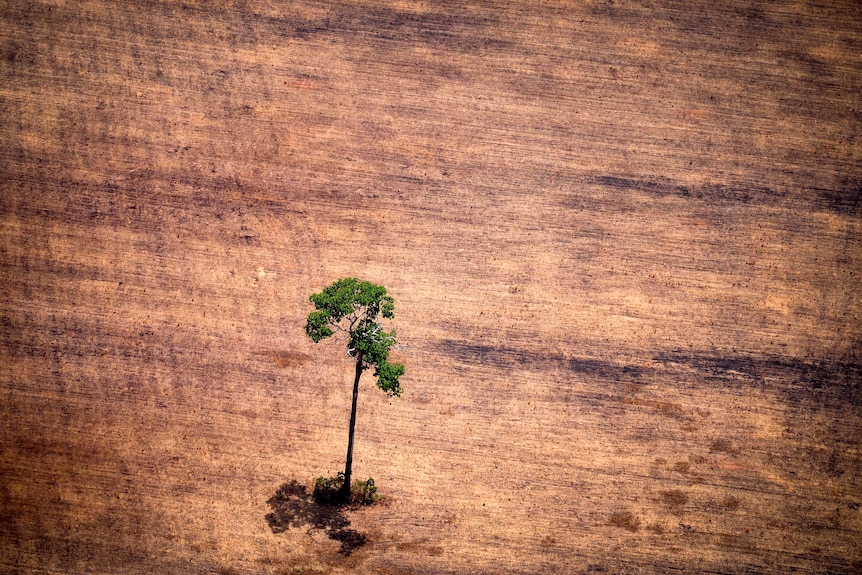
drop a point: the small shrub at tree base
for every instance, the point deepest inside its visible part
(363, 492)
(327, 490)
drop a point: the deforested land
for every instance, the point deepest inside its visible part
(623, 238)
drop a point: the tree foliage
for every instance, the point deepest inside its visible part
(355, 307)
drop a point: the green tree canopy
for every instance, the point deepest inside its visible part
(354, 307)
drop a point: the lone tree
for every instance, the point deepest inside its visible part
(353, 307)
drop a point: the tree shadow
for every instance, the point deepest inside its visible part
(293, 506)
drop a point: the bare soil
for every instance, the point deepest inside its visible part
(624, 240)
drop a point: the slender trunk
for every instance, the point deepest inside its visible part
(345, 490)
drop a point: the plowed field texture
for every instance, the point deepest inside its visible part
(624, 239)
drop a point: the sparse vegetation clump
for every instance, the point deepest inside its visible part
(330, 491)
(363, 492)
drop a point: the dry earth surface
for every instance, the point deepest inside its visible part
(624, 240)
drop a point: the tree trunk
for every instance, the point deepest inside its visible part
(348, 466)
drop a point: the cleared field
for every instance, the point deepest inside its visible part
(624, 241)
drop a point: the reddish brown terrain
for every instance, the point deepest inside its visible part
(624, 240)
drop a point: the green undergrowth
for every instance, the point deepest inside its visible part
(330, 491)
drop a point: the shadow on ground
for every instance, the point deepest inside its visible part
(293, 506)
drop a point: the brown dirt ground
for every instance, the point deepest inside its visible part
(624, 239)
